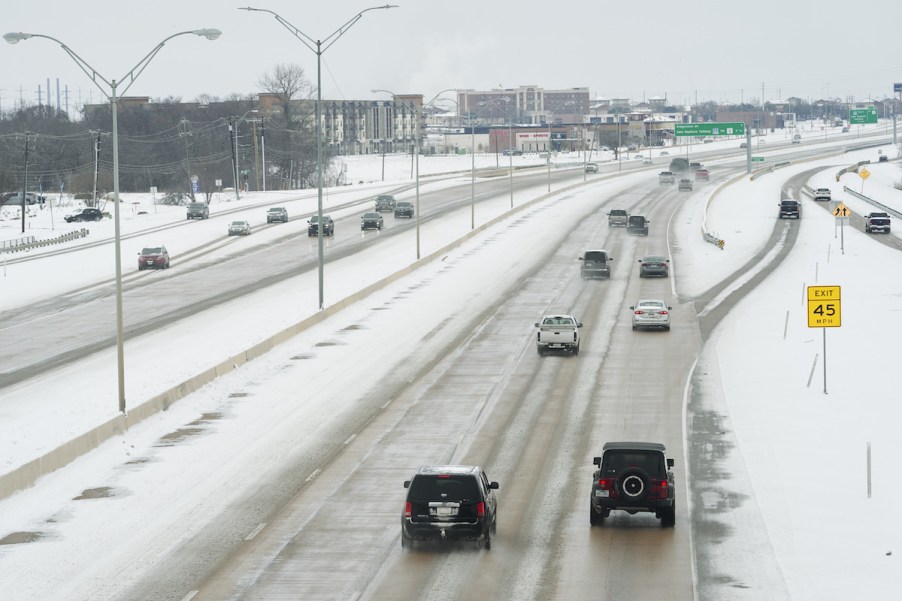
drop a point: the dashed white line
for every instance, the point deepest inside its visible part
(255, 531)
(313, 475)
(350, 438)
(189, 596)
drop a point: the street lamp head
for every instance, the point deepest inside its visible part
(210, 34)
(15, 37)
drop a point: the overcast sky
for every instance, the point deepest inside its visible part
(713, 50)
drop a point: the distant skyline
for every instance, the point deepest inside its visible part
(693, 50)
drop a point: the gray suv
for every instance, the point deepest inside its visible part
(595, 264)
(198, 210)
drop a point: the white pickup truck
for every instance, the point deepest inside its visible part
(558, 332)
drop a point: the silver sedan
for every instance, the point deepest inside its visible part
(651, 313)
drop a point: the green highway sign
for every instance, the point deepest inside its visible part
(709, 129)
(859, 116)
(757, 159)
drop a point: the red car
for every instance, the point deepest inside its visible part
(702, 175)
(153, 257)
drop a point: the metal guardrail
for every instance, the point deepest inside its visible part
(892, 212)
(851, 169)
(7, 245)
(768, 169)
(29, 242)
(713, 239)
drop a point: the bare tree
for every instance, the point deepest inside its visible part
(288, 84)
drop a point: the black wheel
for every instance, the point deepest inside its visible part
(668, 516)
(540, 350)
(667, 328)
(635, 327)
(487, 543)
(576, 350)
(406, 543)
(79, 218)
(596, 518)
(633, 484)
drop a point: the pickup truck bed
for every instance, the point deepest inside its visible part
(558, 332)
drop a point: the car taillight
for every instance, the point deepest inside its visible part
(480, 509)
(604, 484)
(638, 312)
(662, 312)
(660, 491)
(407, 509)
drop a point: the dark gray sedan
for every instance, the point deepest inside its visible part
(653, 265)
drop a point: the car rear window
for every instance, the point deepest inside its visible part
(152, 251)
(444, 487)
(649, 462)
(595, 255)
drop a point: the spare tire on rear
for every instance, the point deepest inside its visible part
(633, 484)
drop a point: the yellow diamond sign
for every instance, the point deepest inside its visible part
(864, 173)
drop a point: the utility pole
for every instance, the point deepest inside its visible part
(233, 144)
(25, 181)
(96, 165)
(184, 134)
(256, 155)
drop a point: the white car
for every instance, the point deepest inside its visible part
(651, 313)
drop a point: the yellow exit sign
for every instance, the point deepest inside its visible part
(824, 309)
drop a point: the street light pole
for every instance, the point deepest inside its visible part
(419, 117)
(473, 174)
(318, 47)
(510, 155)
(97, 78)
(619, 144)
(549, 156)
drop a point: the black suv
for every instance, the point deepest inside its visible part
(455, 502)
(790, 209)
(633, 477)
(638, 225)
(313, 226)
(86, 214)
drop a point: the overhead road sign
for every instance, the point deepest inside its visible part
(757, 159)
(897, 87)
(709, 129)
(824, 308)
(862, 116)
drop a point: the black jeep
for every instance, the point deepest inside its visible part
(633, 477)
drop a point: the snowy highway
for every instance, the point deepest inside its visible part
(283, 478)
